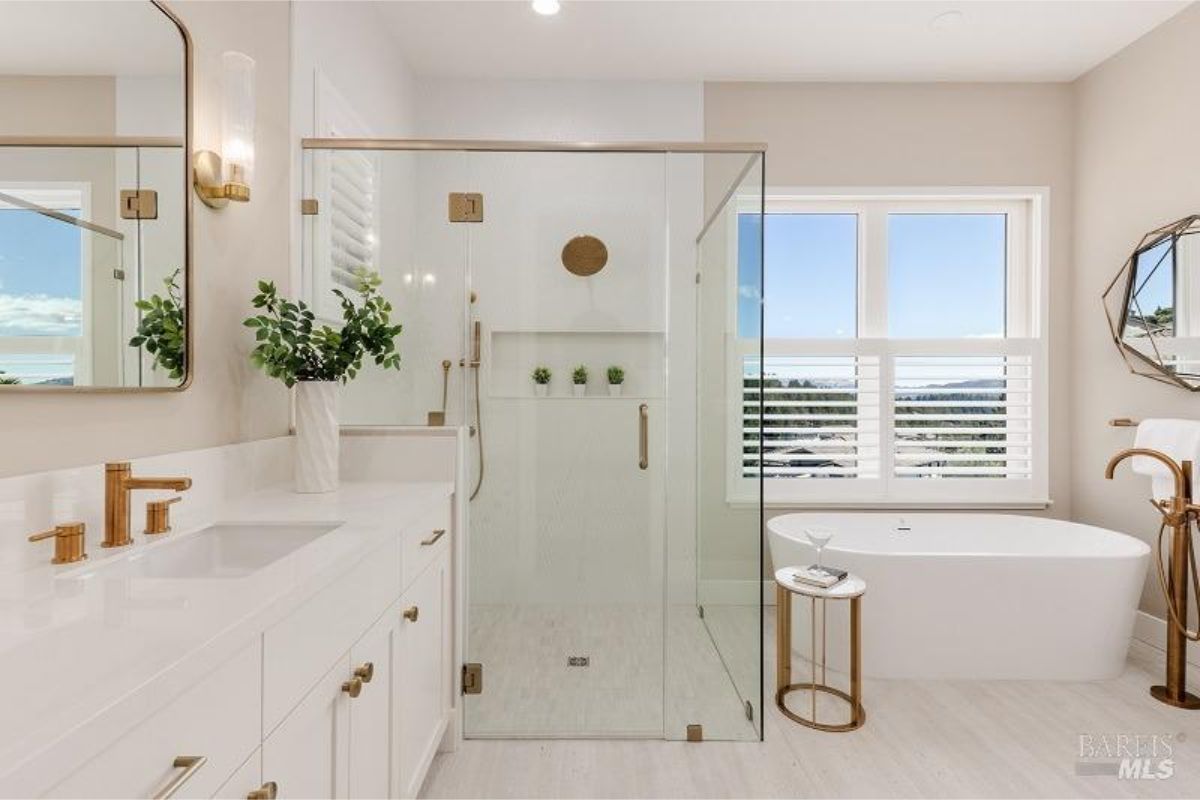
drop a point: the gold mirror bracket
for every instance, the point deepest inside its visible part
(207, 180)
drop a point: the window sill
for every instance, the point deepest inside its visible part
(886, 505)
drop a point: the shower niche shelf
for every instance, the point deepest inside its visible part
(514, 354)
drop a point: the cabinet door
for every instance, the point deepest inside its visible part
(371, 739)
(247, 779)
(422, 674)
(308, 754)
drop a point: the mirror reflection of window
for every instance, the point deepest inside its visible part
(42, 286)
(1151, 309)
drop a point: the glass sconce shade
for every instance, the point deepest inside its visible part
(237, 121)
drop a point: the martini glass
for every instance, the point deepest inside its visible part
(819, 536)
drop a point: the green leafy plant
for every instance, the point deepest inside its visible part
(541, 375)
(293, 348)
(579, 376)
(161, 330)
(616, 375)
(8, 380)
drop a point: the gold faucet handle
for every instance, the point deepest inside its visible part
(69, 545)
(158, 515)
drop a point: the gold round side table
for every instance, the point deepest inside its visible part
(850, 588)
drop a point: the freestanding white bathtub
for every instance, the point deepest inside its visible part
(976, 596)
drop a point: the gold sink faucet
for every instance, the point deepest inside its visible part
(118, 483)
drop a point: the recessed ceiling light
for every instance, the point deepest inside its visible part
(948, 21)
(547, 8)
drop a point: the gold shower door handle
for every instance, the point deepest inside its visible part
(643, 436)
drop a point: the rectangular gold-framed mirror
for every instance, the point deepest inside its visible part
(96, 268)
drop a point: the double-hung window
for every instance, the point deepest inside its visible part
(904, 352)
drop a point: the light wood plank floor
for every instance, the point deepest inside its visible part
(922, 739)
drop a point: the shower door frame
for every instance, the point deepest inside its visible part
(665, 148)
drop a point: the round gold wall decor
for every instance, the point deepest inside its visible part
(584, 256)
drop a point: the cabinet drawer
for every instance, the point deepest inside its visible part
(298, 650)
(423, 543)
(217, 718)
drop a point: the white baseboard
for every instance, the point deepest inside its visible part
(1152, 630)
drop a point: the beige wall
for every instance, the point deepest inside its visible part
(228, 402)
(910, 135)
(1137, 167)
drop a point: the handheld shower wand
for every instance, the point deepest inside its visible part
(476, 329)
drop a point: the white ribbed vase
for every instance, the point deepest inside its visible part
(316, 468)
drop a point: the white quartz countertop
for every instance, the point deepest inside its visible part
(82, 652)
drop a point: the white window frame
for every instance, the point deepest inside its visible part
(1027, 336)
(61, 196)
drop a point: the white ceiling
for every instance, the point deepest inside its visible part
(842, 40)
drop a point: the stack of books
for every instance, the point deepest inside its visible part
(819, 576)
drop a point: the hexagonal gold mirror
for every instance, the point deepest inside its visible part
(1153, 305)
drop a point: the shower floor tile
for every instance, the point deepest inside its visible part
(530, 690)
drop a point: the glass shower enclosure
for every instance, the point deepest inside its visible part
(571, 306)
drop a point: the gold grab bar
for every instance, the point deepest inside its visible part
(1123, 422)
(190, 766)
(643, 436)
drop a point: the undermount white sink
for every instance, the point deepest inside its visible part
(226, 550)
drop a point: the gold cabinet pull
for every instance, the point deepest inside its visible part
(437, 534)
(643, 436)
(353, 687)
(268, 791)
(412, 613)
(189, 765)
(366, 672)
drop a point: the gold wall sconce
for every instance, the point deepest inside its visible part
(221, 177)
(584, 255)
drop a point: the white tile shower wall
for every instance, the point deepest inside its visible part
(30, 503)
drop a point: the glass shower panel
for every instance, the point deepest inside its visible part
(729, 378)
(386, 211)
(566, 551)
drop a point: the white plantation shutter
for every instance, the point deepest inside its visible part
(962, 417)
(344, 233)
(820, 418)
(352, 216)
(893, 421)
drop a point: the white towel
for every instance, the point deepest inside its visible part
(1177, 438)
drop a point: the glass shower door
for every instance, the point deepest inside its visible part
(568, 271)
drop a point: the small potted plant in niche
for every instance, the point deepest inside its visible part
(579, 381)
(315, 359)
(161, 331)
(541, 381)
(616, 377)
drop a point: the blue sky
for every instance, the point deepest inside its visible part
(946, 275)
(1156, 278)
(39, 275)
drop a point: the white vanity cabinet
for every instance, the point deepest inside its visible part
(370, 726)
(345, 695)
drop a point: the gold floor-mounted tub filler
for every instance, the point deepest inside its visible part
(1178, 514)
(851, 588)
